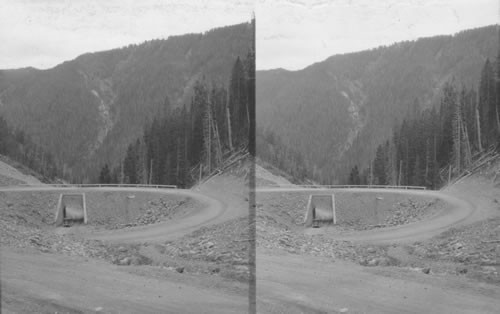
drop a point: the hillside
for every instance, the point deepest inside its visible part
(335, 113)
(9, 175)
(87, 110)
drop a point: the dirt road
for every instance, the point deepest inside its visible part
(214, 211)
(48, 283)
(459, 211)
(287, 283)
(291, 283)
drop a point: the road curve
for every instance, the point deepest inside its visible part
(51, 283)
(418, 231)
(169, 230)
(326, 285)
(213, 211)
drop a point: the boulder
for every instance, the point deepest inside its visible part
(122, 249)
(180, 269)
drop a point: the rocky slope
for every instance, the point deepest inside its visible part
(12, 176)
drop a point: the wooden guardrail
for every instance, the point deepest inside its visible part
(399, 187)
(62, 185)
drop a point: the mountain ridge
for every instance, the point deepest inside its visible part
(87, 110)
(337, 111)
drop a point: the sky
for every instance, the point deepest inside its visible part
(293, 34)
(44, 33)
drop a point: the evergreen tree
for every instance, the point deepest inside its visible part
(379, 166)
(4, 136)
(418, 175)
(130, 165)
(448, 105)
(487, 104)
(105, 175)
(238, 102)
(354, 178)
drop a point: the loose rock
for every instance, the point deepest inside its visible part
(461, 270)
(180, 269)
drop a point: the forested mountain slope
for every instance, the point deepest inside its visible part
(333, 114)
(19, 149)
(445, 142)
(186, 145)
(87, 111)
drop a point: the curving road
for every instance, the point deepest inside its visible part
(459, 211)
(287, 283)
(292, 283)
(48, 283)
(214, 211)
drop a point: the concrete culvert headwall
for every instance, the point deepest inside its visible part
(71, 208)
(320, 210)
